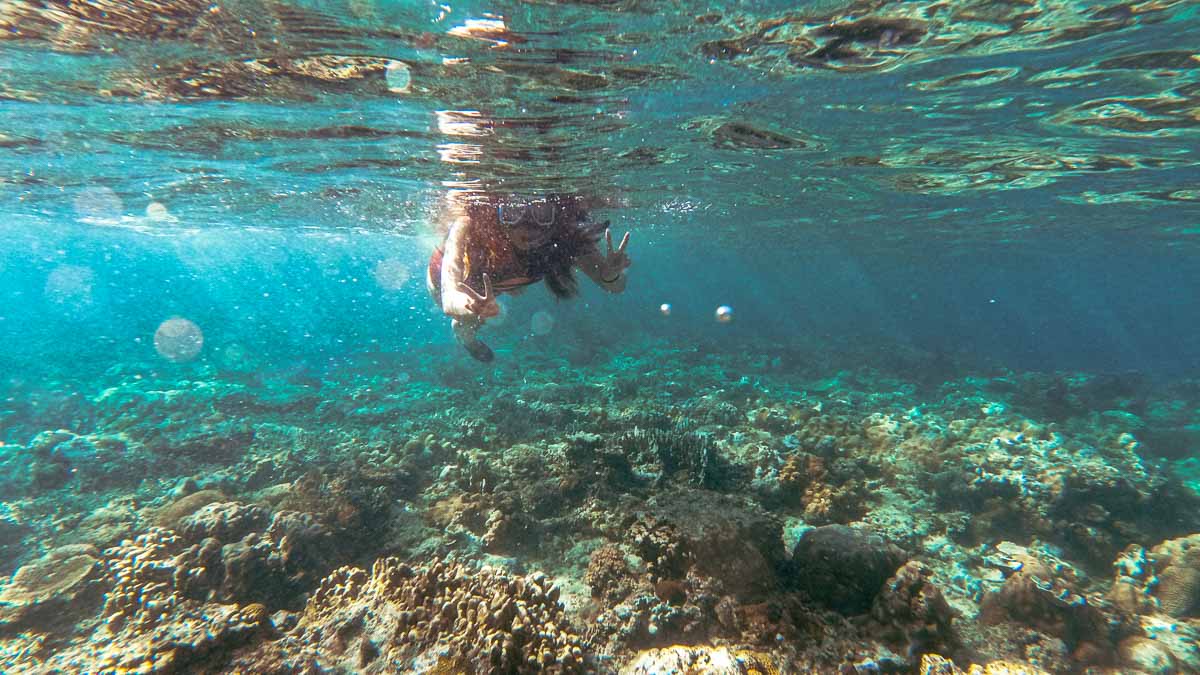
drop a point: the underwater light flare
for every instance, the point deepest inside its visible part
(541, 323)
(724, 314)
(391, 274)
(99, 203)
(178, 340)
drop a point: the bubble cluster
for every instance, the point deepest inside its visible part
(541, 323)
(391, 274)
(178, 340)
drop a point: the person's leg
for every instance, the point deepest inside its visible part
(466, 331)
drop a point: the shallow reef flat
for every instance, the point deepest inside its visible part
(649, 511)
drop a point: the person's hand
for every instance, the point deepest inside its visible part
(482, 305)
(616, 260)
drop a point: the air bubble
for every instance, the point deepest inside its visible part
(70, 287)
(157, 211)
(178, 340)
(235, 357)
(541, 323)
(391, 274)
(398, 76)
(98, 203)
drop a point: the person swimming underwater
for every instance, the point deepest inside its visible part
(497, 245)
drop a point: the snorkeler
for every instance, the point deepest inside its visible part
(502, 245)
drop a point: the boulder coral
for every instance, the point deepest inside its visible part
(1177, 562)
(843, 568)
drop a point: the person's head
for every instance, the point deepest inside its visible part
(531, 223)
(547, 234)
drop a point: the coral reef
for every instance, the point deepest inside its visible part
(714, 660)
(748, 515)
(935, 664)
(608, 575)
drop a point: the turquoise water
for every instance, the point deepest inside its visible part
(958, 241)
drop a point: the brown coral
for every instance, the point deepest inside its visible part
(170, 515)
(913, 612)
(608, 574)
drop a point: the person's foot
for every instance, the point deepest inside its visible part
(480, 351)
(465, 332)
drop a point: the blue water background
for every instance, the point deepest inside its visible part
(275, 241)
(288, 296)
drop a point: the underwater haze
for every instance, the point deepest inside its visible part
(904, 376)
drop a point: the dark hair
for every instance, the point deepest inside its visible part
(571, 237)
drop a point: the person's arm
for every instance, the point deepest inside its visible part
(459, 300)
(608, 271)
(454, 300)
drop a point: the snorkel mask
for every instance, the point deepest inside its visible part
(541, 211)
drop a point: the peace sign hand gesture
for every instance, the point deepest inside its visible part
(482, 305)
(617, 260)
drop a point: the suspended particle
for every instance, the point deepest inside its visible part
(235, 357)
